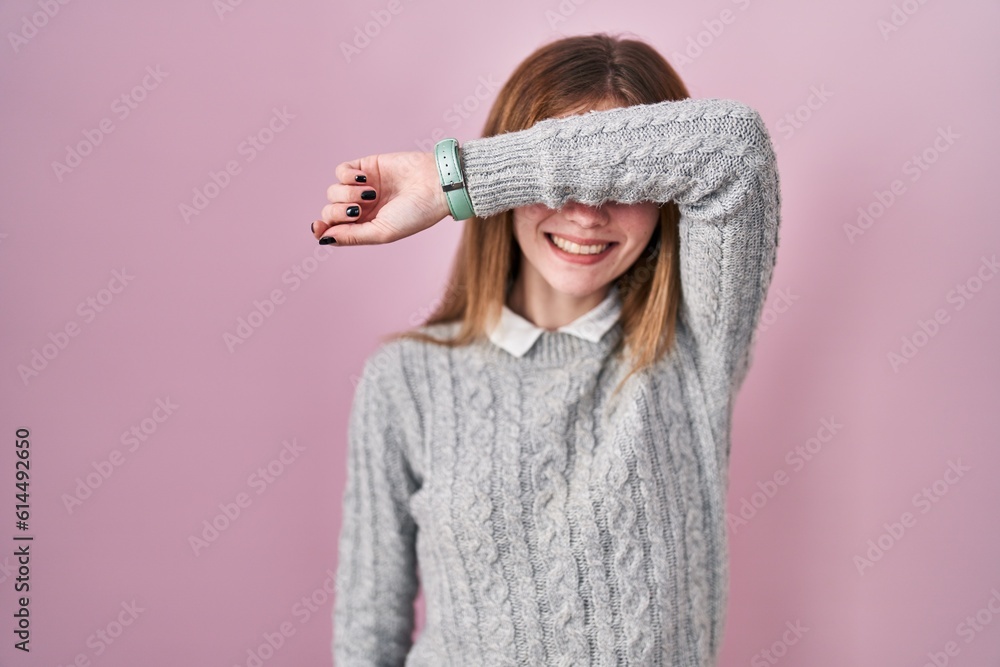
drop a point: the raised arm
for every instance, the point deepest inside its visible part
(713, 157)
(376, 581)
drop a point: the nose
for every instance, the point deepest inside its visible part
(584, 214)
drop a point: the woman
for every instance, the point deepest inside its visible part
(551, 446)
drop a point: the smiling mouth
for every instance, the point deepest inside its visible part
(576, 249)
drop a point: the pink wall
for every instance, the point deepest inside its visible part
(852, 109)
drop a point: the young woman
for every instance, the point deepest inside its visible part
(550, 448)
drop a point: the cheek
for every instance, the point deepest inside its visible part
(532, 213)
(640, 225)
(527, 219)
(641, 222)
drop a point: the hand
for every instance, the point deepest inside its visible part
(408, 199)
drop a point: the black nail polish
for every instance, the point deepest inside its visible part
(368, 195)
(353, 211)
(361, 178)
(312, 229)
(327, 240)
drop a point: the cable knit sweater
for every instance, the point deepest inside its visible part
(547, 522)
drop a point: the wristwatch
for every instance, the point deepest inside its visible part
(449, 168)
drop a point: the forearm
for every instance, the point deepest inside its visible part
(690, 151)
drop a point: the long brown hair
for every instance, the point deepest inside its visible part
(571, 74)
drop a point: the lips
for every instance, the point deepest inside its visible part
(580, 241)
(579, 259)
(575, 249)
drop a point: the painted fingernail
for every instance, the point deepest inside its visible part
(312, 229)
(361, 178)
(327, 240)
(368, 195)
(353, 211)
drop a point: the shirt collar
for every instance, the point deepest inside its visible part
(516, 334)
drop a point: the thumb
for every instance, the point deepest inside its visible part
(373, 232)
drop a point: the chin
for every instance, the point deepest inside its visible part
(575, 287)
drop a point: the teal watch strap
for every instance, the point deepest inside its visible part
(449, 168)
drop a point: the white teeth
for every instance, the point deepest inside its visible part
(576, 249)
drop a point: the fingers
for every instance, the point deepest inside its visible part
(359, 194)
(349, 202)
(345, 234)
(353, 171)
(335, 214)
(352, 200)
(317, 227)
(366, 233)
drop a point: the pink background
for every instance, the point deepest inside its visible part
(849, 108)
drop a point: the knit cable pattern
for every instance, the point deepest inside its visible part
(474, 509)
(550, 391)
(510, 522)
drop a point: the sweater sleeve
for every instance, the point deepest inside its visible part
(376, 579)
(713, 157)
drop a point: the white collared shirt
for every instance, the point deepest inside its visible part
(516, 334)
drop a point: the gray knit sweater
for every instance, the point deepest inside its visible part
(548, 523)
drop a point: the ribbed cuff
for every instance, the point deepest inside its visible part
(502, 172)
